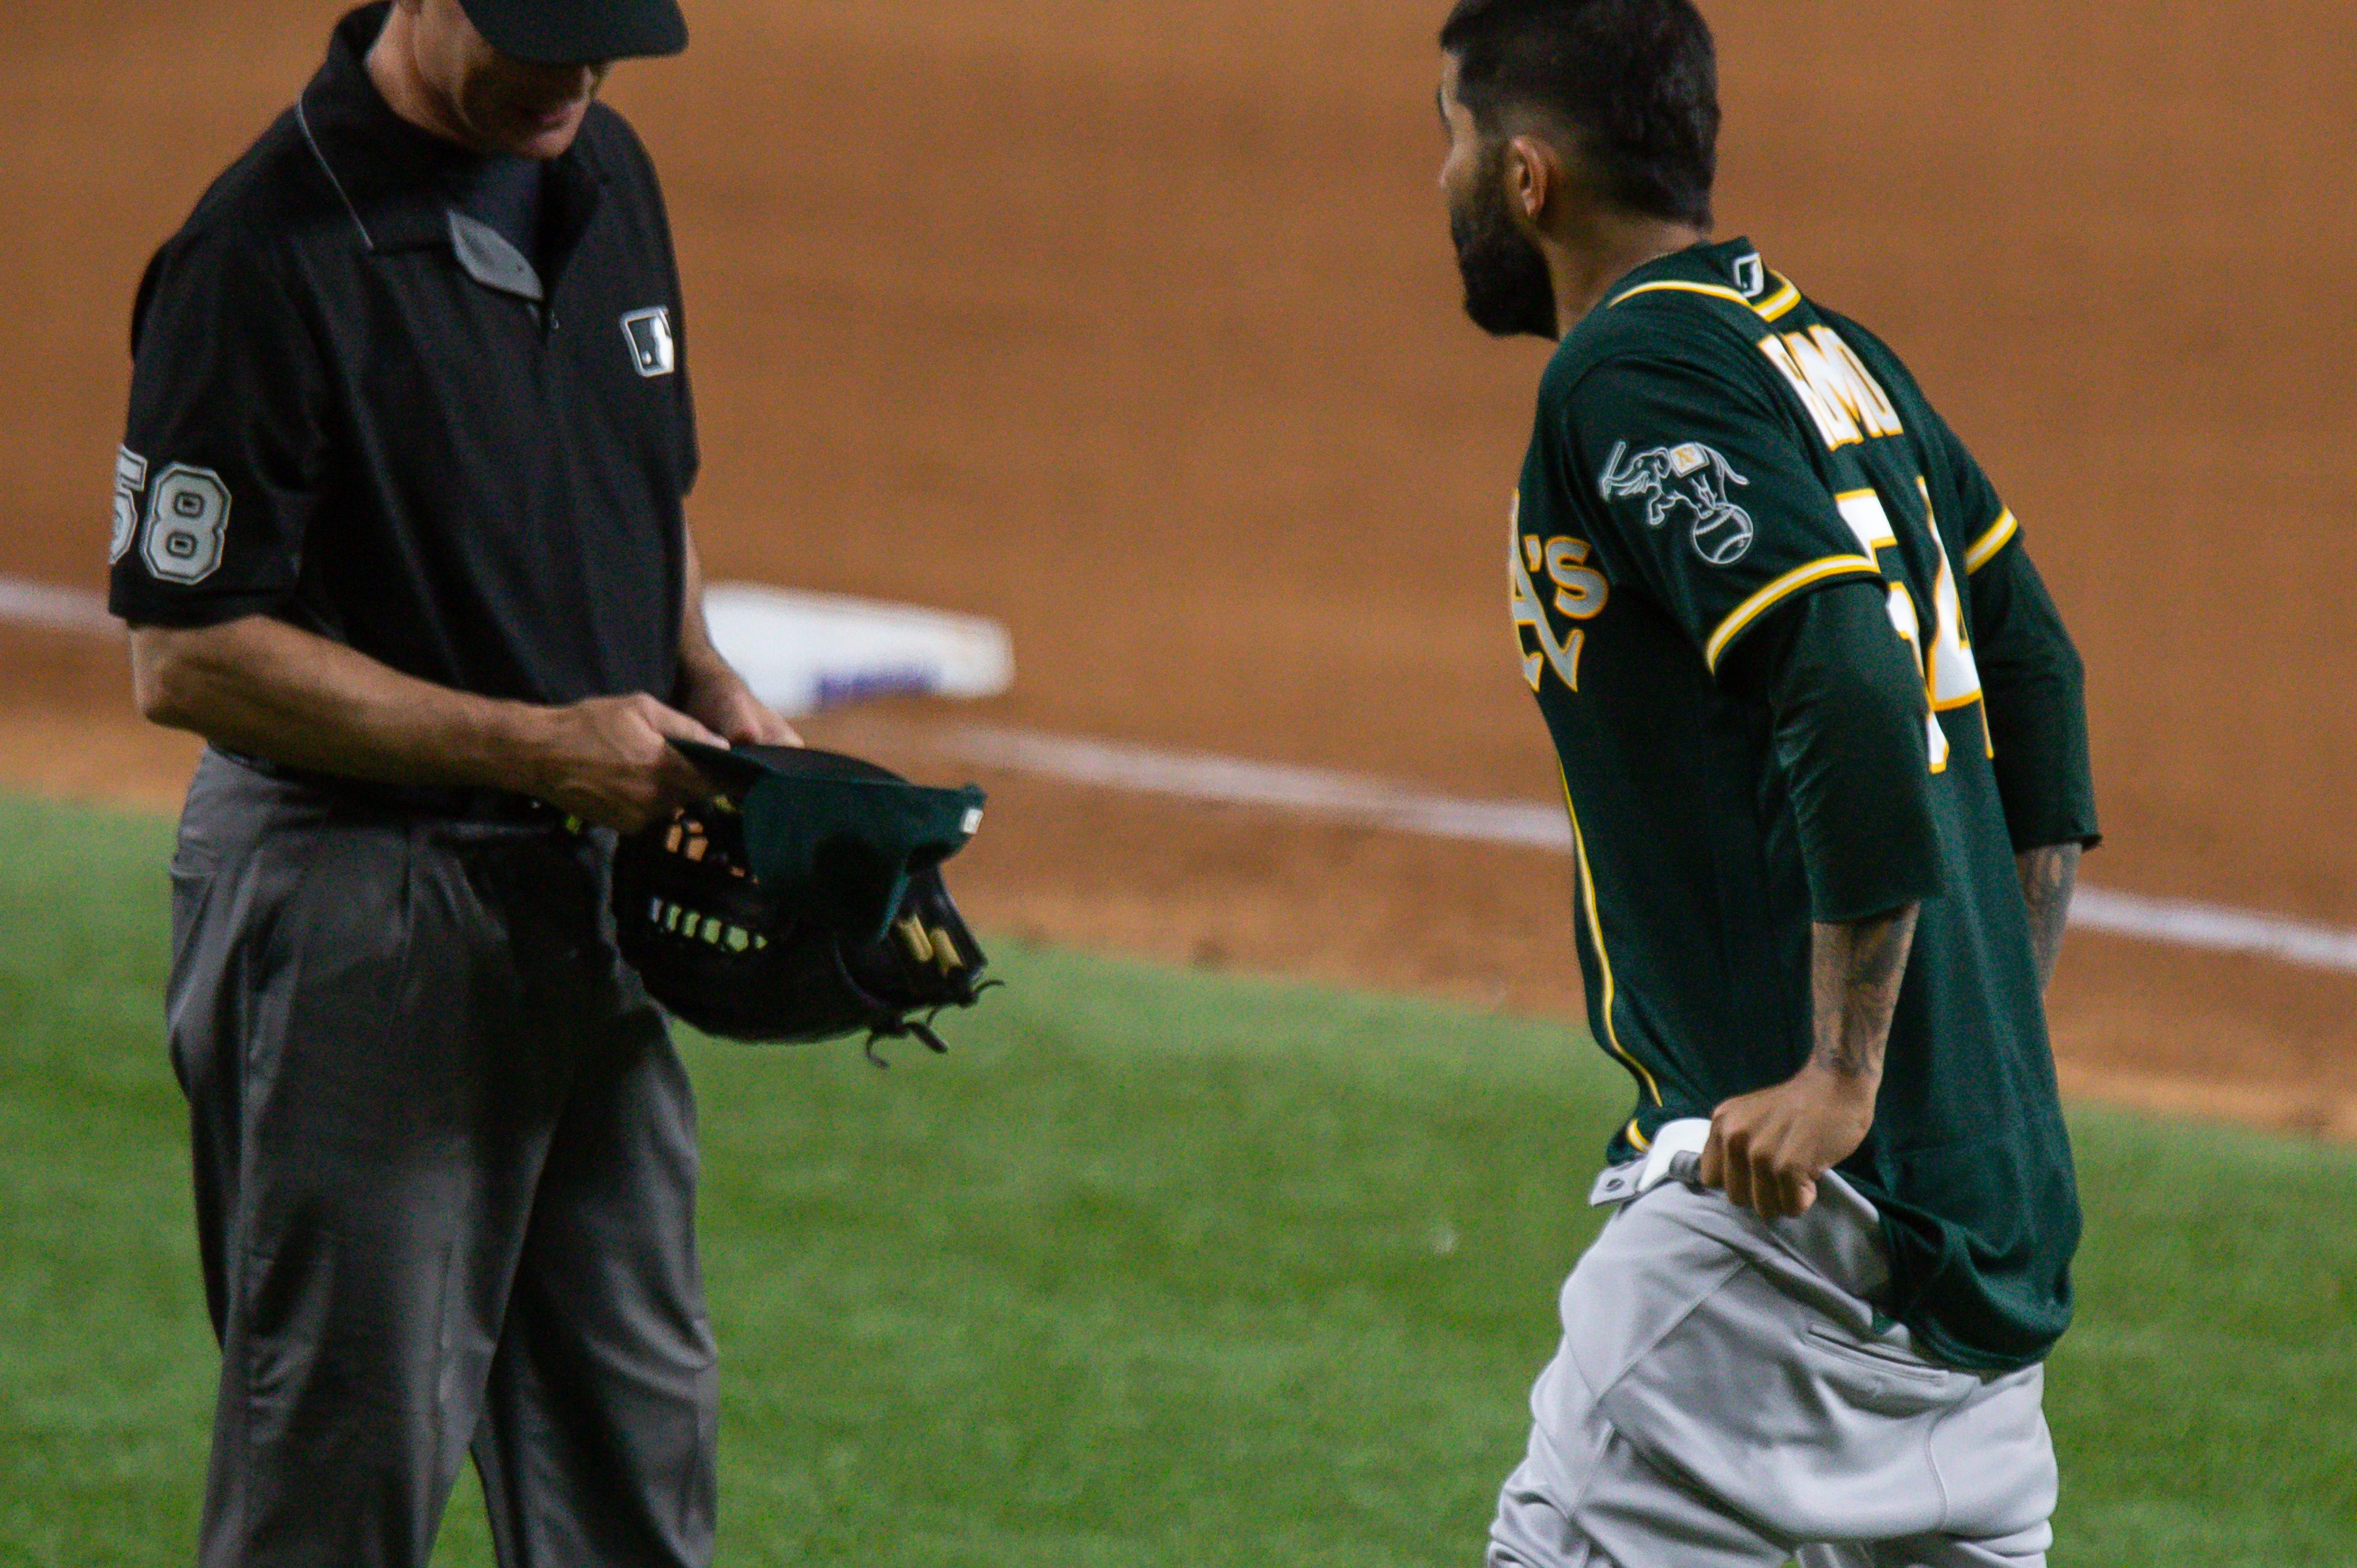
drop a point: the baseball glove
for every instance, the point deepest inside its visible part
(804, 902)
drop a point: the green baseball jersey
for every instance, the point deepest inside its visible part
(1711, 446)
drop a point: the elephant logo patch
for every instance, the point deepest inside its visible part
(1689, 481)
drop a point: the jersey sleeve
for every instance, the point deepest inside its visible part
(1848, 700)
(691, 450)
(2033, 684)
(1700, 487)
(2035, 688)
(223, 454)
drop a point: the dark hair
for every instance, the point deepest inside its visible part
(1635, 80)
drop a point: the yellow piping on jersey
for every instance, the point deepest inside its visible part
(2000, 533)
(1775, 308)
(1778, 306)
(1712, 289)
(1885, 540)
(1791, 583)
(1603, 959)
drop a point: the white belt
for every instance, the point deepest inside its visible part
(1675, 1155)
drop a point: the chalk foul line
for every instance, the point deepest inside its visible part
(45, 604)
(1379, 803)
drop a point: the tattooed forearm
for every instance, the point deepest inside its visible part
(1855, 971)
(2047, 876)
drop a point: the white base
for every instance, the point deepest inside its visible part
(803, 653)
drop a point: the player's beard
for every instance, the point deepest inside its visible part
(1508, 290)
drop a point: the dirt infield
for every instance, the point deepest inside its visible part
(1134, 326)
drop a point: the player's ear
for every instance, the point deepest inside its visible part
(1532, 176)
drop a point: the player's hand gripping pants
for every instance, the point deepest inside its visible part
(1721, 1400)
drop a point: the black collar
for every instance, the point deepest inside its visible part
(391, 175)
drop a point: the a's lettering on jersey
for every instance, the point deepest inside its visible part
(1691, 480)
(1580, 590)
(1580, 594)
(1833, 385)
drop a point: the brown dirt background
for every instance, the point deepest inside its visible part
(1134, 326)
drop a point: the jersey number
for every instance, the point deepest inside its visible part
(130, 478)
(187, 521)
(1951, 678)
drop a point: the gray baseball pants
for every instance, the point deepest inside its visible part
(1722, 1398)
(445, 1177)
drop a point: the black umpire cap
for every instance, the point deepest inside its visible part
(579, 32)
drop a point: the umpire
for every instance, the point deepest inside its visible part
(398, 529)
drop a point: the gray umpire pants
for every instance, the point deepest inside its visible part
(1724, 1398)
(445, 1177)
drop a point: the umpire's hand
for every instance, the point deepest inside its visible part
(609, 760)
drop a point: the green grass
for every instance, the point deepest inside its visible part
(1158, 1269)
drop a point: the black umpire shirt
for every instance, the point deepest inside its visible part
(359, 408)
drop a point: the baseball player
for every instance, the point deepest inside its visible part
(1823, 740)
(398, 528)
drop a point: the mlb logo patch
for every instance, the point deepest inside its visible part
(651, 348)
